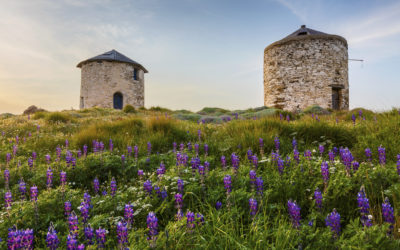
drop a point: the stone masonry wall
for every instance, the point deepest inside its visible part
(101, 80)
(301, 73)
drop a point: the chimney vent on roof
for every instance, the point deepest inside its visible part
(303, 26)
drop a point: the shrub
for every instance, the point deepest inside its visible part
(129, 109)
(39, 115)
(59, 117)
(315, 109)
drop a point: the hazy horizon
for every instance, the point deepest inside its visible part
(198, 53)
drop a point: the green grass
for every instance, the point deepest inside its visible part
(231, 227)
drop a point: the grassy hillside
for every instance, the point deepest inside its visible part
(100, 144)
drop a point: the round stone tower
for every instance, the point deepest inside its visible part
(307, 68)
(111, 80)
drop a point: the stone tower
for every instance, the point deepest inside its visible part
(307, 68)
(111, 80)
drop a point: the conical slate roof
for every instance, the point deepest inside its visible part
(305, 31)
(115, 56)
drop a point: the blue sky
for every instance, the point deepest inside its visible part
(198, 52)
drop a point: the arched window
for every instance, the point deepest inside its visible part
(118, 100)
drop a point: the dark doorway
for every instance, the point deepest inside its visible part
(118, 100)
(335, 98)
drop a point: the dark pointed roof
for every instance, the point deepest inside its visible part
(115, 56)
(305, 33)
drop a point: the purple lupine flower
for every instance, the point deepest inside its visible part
(353, 118)
(253, 206)
(294, 213)
(67, 208)
(388, 214)
(104, 193)
(201, 170)
(281, 165)
(261, 142)
(363, 205)
(189, 146)
(89, 234)
(223, 162)
(228, 183)
(360, 113)
(318, 198)
(178, 201)
(140, 173)
(73, 223)
(110, 145)
(148, 148)
(249, 154)
(294, 143)
(321, 149)
(63, 178)
(122, 234)
(84, 208)
(333, 221)
(180, 185)
(199, 219)
(34, 193)
(181, 147)
(85, 150)
(49, 175)
(157, 190)
(206, 149)
(72, 242)
(34, 155)
(325, 171)
(255, 161)
(164, 194)
(30, 162)
(136, 151)
(123, 158)
(113, 186)
(20, 239)
(81, 247)
(79, 153)
(147, 186)
(128, 213)
(356, 165)
(253, 176)
(96, 185)
(277, 143)
(129, 149)
(48, 159)
(281, 117)
(196, 148)
(218, 205)
(152, 225)
(52, 240)
(58, 152)
(8, 158)
(190, 221)
(66, 143)
(287, 118)
(307, 155)
(174, 147)
(8, 200)
(87, 199)
(260, 186)
(235, 162)
(199, 134)
(296, 155)
(382, 155)
(331, 155)
(101, 237)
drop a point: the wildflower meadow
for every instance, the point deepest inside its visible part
(109, 179)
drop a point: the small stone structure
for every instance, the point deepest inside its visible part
(307, 68)
(111, 80)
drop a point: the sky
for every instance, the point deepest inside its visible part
(199, 53)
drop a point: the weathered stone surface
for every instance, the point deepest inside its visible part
(304, 71)
(100, 80)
